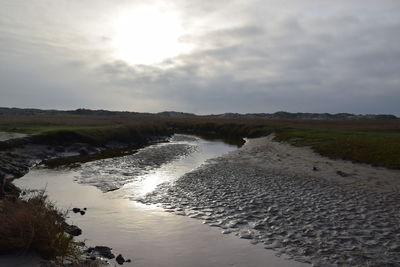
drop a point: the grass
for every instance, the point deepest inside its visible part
(370, 141)
(96, 135)
(379, 148)
(34, 224)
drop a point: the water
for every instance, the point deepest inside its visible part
(146, 234)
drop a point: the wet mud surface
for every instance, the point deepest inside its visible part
(312, 220)
(112, 173)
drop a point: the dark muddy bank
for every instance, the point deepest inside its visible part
(66, 147)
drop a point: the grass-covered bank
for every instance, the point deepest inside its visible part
(369, 141)
(379, 148)
(100, 135)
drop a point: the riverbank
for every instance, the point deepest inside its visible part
(146, 234)
(292, 200)
(60, 147)
(21, 225)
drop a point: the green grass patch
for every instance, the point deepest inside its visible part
(379, 148)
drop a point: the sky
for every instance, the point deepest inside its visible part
(201, 56)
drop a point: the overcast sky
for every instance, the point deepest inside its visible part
(201, 56)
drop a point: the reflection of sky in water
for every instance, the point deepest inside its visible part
(171, 171)
(137, 174)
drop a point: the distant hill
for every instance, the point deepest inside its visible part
(281, 115)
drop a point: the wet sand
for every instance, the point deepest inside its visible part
(292, 200)
(4, 136)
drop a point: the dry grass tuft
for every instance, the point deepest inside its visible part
(34, 224)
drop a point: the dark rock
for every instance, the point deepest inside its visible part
(128, 260)
(82, 212)
(120, 260)
(76, 210)
(315, 168)
(73, 230)
(104, 252)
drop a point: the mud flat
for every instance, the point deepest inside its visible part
(107, 177)
(7, 135)
(289, 199)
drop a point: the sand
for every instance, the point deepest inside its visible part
(292, 200)
(287, 159)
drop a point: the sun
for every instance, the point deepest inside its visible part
(147, 36)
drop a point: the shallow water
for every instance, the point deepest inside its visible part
(146, 234)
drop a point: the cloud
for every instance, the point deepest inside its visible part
(263, 56)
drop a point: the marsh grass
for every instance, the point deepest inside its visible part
(376, 142)
(34, 224)
(379, 148)
(100, 135)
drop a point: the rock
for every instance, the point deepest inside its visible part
(128, 260)
(120, 260)
(104, 252)
(82, 212)
(76, 210)
(73, 230)
(315, 168)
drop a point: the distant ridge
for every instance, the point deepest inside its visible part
(280, 115)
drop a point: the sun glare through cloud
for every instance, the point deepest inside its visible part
(147, 35)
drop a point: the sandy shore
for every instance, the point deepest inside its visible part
(294, 201)
(285, 159)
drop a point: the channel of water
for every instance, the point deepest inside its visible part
(145, 233)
